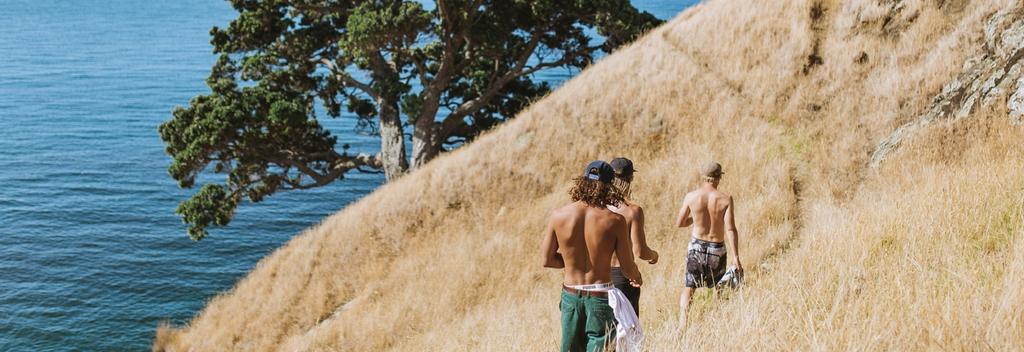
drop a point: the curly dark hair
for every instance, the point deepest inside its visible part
(594, 193)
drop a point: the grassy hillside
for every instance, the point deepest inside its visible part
(920, 249)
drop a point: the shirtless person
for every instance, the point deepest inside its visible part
(711, 213)
(581, 238)
(634, 216)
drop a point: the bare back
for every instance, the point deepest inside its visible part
(710, 211)
(629, 212)
(586, 238)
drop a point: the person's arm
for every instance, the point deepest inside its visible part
(549, 248)
(684, 219)
(624, 251)
(639, 238)
(731, 235)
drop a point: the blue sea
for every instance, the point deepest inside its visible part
(92, 256)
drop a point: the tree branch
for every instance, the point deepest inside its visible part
(421, 69)
(340, 164)
(452, 42)
(448, 65)
(348, 80)
(452, 121)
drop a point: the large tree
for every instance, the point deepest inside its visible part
(442, 72)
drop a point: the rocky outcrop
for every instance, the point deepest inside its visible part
(993, 76)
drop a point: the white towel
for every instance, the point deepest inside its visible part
(629, 336)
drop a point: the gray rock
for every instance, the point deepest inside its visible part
(985, 80)
(1016, 103)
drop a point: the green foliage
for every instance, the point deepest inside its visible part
(449, 72)
(211, 205)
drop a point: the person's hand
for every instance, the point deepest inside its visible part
(739, 267)
(654, 260)
(636, 283)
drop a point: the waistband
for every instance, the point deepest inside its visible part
(592, 287)
(593, 290)
(695, 240)
(574, 292)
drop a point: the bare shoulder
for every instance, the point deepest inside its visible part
(690, 196)
(562, 213)
(720, 195)
(636, 211)
(724, 198)
(635, 207)
(628, 209)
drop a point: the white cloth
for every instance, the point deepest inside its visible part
(629, 336)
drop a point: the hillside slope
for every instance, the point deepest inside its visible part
(872, 148)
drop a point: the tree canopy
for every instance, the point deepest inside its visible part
(442, 72)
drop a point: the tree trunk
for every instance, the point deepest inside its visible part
(424, 146)
(392, 141)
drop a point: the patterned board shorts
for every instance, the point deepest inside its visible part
(705, 263)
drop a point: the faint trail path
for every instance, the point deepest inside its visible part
(735, 88)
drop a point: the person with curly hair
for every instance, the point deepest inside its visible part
(581, 238)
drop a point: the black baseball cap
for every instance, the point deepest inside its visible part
(599, 170)
(623, 167)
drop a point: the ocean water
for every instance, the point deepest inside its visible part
(92, 256)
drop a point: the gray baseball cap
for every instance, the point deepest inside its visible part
(712, 169)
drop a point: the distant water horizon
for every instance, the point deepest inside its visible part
(92, 256)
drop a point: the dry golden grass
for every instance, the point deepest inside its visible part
(924, 252)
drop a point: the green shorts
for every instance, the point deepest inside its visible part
(588, 323)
